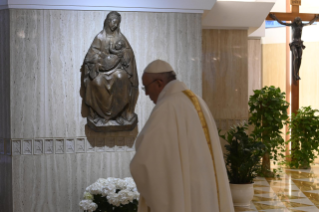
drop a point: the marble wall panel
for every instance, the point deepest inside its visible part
(254, 66)
(5, 159)
(8, 199)
(27, 73)
(63, 63)
(174, 37)
(5, 183)
(59, 180)
(4, 74)
(47, 51)
(225, 75)
(68, 35)
(51, 46)
(2, 180)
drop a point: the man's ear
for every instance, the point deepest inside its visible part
(160, 83)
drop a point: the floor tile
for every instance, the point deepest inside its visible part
(288, 197)
(301, 175)
(295, 204)
(261, 206)
(307, 209)
(303, 200)
(312, 197)
(260, 186)
(276, 203)
(314, 180)
(286, 178)
(269, 189)
(277, 210)
(315, 191)
(261, 192)
(241, 209)
(296, 190)
(282, 189)
(306, 186)
(258, 199)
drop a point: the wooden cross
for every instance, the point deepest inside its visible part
(291, 14)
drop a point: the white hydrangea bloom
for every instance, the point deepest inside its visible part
(108, 187)
(88, 205)
(114, 199)
(121, 184)
(95, 188)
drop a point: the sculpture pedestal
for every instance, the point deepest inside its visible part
(112, 125)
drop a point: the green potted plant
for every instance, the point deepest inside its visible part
(242, 163)
(268, 114)
(304, 139)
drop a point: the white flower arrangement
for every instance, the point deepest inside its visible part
(111, 194)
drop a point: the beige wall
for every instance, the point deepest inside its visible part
(274, 57)
(47, 49)
(309, 73)
(274, 65)
(254, 66)
(225, 75)
(274, 68)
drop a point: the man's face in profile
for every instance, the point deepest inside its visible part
(150, 87)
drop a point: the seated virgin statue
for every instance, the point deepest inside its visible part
(111, 79)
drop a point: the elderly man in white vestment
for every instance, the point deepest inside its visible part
(178, 165)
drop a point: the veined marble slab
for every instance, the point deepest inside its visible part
(5, 159)
(54, 155)
(48, 48)
(56, 182)
(4, 74)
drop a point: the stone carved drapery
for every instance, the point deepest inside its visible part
(111, 80)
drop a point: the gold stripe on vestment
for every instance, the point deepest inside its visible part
(202, 119)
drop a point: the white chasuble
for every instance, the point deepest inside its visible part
(173, 167)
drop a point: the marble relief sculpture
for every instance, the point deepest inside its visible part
(111, 80)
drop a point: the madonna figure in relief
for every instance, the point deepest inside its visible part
(111, 80)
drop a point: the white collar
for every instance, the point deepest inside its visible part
(170, 88)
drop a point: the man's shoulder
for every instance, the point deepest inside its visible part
(172, 99)
(175, 101)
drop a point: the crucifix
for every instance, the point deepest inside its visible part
(296, 47)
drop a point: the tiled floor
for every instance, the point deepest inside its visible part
(296, 190)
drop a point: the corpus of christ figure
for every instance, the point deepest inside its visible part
(296, 46)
